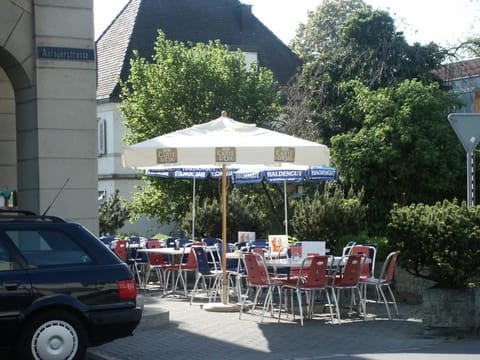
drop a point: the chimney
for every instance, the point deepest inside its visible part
(245, 17)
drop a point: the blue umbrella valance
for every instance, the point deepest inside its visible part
(255, 176)
(189, 172)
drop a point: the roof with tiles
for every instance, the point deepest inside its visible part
(460, 70)
(135, 28)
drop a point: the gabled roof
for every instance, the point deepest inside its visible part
(135, 28)
(460, 70)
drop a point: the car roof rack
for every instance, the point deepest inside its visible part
(15, 215)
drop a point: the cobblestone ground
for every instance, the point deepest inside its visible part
(194, 333)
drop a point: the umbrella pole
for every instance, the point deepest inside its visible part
(286, 205)
(224, 235)
(224, 306)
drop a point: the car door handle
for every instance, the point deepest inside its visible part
(11, 285)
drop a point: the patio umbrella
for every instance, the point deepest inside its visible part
(224, 142)
(285, 174)
(193, 173)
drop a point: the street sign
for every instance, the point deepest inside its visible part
(467, 128)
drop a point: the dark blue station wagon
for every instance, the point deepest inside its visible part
(61, 289)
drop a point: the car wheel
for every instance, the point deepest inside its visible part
(52, 335)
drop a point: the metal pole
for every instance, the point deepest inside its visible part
(471, 178)
(193, 210)
(286, 205)
(224, 235)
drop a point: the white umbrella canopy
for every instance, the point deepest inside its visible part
(225, 142)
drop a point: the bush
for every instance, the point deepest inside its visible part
(113, 214)
(438, 242)
(382, 244)
(329, 216)
(243, 214)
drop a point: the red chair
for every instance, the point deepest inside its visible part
(368, 252)
(260, 251)
(347, 277)
(120, 249)
(259, 279)
(295, 251)
(384, 280)
(187, 264)
(312, 277)
(156, 262)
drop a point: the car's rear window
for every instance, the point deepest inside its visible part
(48, 248)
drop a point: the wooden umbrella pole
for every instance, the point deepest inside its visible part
(224, 235)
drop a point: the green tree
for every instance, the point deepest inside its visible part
(320, 34)
(404, 150)
(346, 40)
(187, 84)
(113, 214)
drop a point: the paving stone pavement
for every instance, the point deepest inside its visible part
(194, 333)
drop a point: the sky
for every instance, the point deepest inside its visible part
(445, 22)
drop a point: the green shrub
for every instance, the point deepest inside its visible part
(438, 242)
(243, 214)
(113, 214)
(160, 236)
(382, 244)
(328, 216)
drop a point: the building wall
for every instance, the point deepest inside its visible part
(468, 89)
(8, 134)
(112, 175)
(43, 44)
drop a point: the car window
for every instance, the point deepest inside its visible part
(6, 260)
(48, 247)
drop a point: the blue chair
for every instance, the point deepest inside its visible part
(258, 244)
(170, 242)
(242, 246)
(138, 261)
(107, 240)
(211, 241)
(180, 243)
(232, 264)
(134, 240)
(204, 272)
(235, 269)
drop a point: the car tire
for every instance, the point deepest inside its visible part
(52, 335)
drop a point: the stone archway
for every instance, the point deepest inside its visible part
(47, 107)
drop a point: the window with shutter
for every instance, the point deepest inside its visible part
(102, 136)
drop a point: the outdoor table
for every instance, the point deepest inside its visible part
(296, 261)
(174, 257)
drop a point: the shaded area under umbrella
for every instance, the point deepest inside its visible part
(225, 142)
(285, 174)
